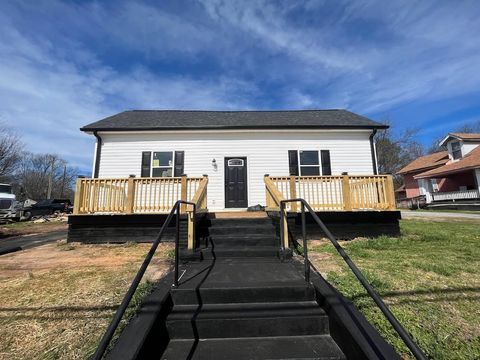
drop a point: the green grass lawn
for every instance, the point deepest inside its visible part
(430, 278)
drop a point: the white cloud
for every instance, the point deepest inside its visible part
(63, 65)
(48, 98)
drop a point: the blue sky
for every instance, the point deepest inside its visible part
(66, 64)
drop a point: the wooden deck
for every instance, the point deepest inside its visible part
(138, 195)
(157, 196)
(332, 193)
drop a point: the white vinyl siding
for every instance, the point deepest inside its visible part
(266, 152)
(468, 147)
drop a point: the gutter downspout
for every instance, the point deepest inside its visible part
(98, 153)
(373, 152)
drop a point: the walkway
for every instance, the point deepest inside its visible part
(16, 243)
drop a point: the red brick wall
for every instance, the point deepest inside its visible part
(411, 185)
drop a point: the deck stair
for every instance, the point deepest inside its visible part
(243, 237)
(242, 302)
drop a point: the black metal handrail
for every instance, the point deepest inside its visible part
(416, 351)
(107, 337)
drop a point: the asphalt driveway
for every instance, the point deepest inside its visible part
(16, 243)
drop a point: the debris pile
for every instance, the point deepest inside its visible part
(55, 217)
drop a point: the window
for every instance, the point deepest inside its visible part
(162, 164)
(235, 162)
(456, 150)
(309, 164)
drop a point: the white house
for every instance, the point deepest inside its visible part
(234, 148)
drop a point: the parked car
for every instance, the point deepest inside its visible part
(50, 206)
(8, 204)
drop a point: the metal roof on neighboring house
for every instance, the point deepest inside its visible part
(426, 162)
(136, 120)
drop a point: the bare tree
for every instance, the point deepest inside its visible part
(10, 152)
(396, 151)
(42, 176)
(468, 127)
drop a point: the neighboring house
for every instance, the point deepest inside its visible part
(450, 175)
(414, 187)
(234, 148)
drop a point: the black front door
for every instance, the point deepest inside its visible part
(236, 182)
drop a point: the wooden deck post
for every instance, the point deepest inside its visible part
(390, 193)
(347, 199)
(293, 192)
(130, 194)
(183, 192)
(77, 202)
(190, 230)
(268, 196)
(285, 228)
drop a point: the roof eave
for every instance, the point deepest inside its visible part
(423, 169)
(176, 128)
(446, 138)
(447, 172)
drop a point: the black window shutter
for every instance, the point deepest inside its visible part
(293, 162)
(146, 158)
(326, 168)
(179, 155)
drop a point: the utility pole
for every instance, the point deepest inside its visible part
(63, 180)
(50, 179)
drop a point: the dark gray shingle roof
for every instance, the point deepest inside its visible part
(204, 120)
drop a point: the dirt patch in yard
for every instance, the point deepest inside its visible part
(325, 263)
(56, 300)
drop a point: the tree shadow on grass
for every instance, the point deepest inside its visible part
(421, 295)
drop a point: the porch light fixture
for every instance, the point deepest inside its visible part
(214, 164)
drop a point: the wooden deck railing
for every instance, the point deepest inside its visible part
(329, 193)
(332, 193)
(137, 195)
(142, 196)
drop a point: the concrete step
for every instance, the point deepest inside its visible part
(227, 251)
(241, 221)
(319, 347)
(238, 240)
(241, 230)
(247, 320)
(243, 293)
